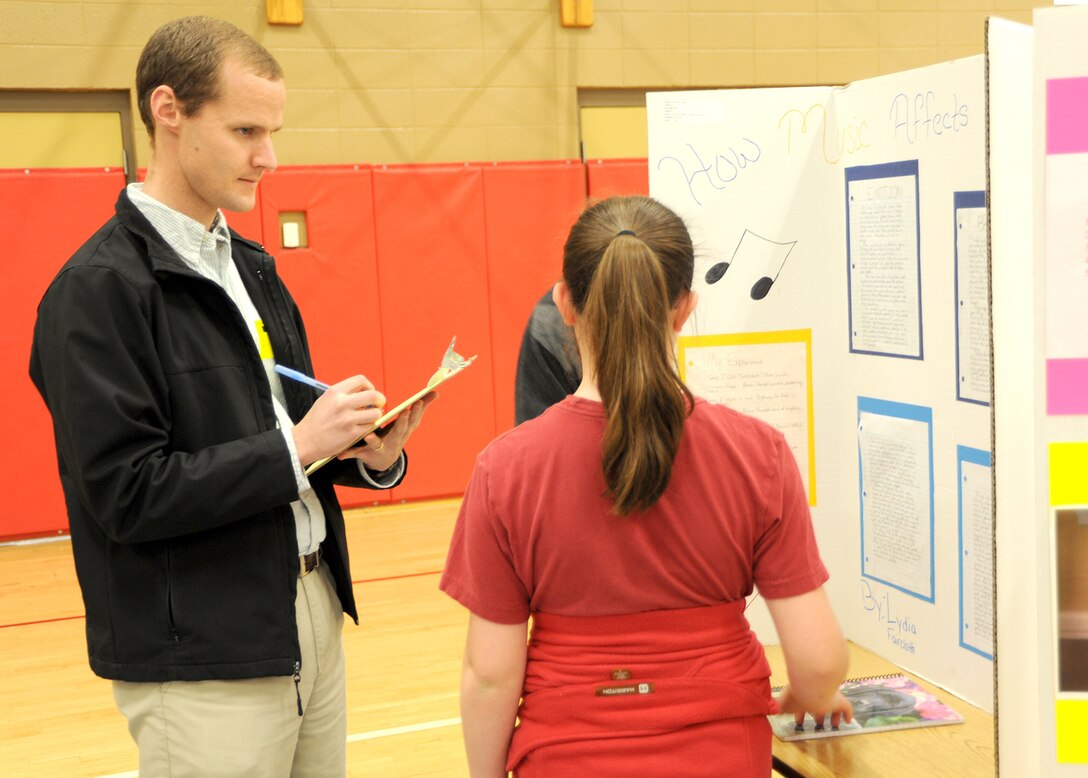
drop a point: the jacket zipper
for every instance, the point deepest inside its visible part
(298, 679)
(170, 601)
(297, 675)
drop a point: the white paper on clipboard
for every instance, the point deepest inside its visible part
(452, 364)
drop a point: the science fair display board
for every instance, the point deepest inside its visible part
(1039, 169)
(841, 266)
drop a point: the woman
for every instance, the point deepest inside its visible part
(630, 521)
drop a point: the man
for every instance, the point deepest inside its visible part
(214, 572)
(549, 367)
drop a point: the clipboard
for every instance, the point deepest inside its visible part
(452, 364)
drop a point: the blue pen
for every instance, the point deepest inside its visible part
(301, 378)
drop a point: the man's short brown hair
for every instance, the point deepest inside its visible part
(186, 55)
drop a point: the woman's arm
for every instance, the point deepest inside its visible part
(815, 653)
(492, 676)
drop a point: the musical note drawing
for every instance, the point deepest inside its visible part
(759, 257)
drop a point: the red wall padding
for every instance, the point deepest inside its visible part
(608, 177)
(401, 259)
(334, 280)
(529, 208)
(432, 281)
(45, 215)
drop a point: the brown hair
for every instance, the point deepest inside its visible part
(626, 262)
(186, 55)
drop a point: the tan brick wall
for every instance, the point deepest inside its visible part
(393, 81)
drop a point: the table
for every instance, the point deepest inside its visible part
(962, 750)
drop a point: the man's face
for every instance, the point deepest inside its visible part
(226, 146)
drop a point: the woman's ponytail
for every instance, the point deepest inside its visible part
(626, 268)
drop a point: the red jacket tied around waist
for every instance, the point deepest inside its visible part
(678, 692)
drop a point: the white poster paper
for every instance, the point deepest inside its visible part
(768, 380)
(976, 552)
(972, 298)
(883, 256)
(896, 455)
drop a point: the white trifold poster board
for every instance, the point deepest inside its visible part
(1039, 187)
(841, 267)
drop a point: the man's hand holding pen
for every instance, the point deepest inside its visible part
(340, 416)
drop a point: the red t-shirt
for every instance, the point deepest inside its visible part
(536, 534)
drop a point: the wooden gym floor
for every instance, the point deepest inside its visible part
(57, 719)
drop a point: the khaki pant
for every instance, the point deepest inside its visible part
(251, 727)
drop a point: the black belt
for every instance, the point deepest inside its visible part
(307, 563)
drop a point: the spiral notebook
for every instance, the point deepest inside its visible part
(881, 703)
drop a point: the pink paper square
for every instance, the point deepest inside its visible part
(1067, 115)
(1066, 387)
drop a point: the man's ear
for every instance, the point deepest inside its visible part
(561, 297)
(684, 309)
(165, 107)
